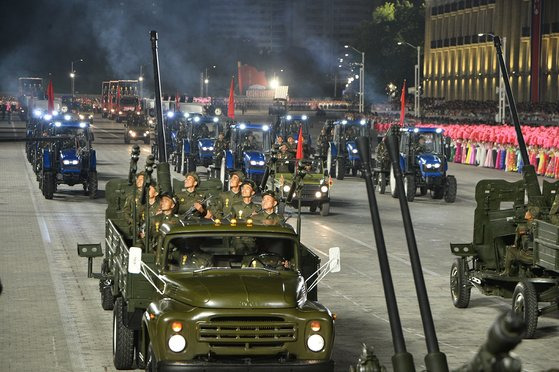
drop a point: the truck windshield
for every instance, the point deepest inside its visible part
(187, 253)
(129, 101)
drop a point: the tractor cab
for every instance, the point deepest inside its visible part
(289, 125)
(343, 148)
(249, 143)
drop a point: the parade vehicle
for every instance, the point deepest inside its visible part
(343, 157)
(67, 157)
(137, 128)
(246, 154)
(278, 107)
(122, 97)
(85, 112)
(288, 126)
(423, 161)
(314, 188)
(105, 102)
(30, 89)
(515, 248)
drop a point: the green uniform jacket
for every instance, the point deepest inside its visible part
(187, 199)
(157, 222)
(243, 210)
(226, 201)
(133, 198)
(265, 218)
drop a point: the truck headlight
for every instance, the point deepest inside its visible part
(177, 343)
(314, 343)
(120, 112)
(318, 194)
(112, 110)
(324, 188)
(132, 133)
(146, 134)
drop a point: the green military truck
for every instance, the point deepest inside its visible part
(214, 295)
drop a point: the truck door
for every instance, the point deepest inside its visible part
(310, 263)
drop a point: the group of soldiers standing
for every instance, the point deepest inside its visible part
(236, 205)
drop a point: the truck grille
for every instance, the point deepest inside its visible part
(247, 333)
(309, 192)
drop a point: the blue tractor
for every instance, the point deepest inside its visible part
(249, 142)
(343, 157)
(289, 125)
(67, 157)
(424, 165)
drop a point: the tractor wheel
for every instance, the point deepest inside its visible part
(423, 190)
(525, 304)
(92, 184)
(107, 298)
(354, 171)
(409, 188)
(382, 183)
(450, 189)
(313, 207)
(340, 168)
(325, 209)
(123, 339)
(393, 189)
(459, 288)
(146, 141)
(437, 192)
(151, 360)
(48, 184)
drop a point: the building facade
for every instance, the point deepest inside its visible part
(460, 65)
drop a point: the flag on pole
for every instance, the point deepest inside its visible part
(50, 95)
(177, 102)
(403, 104)
(231, 104)
(299, 154)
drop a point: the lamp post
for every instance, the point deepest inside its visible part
(141, 80)
(73, 73)
(417, 78)
(361, 78)
(207, 79)
(501, 93)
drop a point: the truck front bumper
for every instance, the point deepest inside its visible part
(307, 366)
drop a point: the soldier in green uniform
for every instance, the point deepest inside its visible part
(246, 208)
(167, 216)
(189, 256)
(278, 143)
(291, 146)
(188, 197)
(219, 147)
(383, 159)
(268, 214)
(134, 198)
(153, 202)
(284, 159)
(419, 147)
(522, 250)
(554, 211)
(233, 195)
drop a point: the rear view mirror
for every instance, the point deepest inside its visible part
(134, 260)
(334, 259)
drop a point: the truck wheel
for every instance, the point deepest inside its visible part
(48, 185)
(107, 298)
(146, 141)
(525, 304)
(393, 189)
(123, 339)
(450, 189)
(313, 207)
(409, 188)
(382, 183)
(459, 288)
(151, 360)
(340, 169)
(92, 184)
(325, 209)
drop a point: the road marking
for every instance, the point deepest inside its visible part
(370, 246)
(67, 322)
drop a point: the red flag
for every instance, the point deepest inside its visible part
(299, 154)
(231, 104)
(403, 104)
(50, 95)
(177, 102)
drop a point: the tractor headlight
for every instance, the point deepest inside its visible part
(363, 122)
(67, 117)
(354, 151)
(146, 134)
(215, 120)
(204, 148)
(211, 148)
(66, 162)
(324, 188)
(438, 165)
(196, 119)
(83, 124)
(81, 117)
(104, 109)
(315, 343)
(177, 343)
(428, 166)
(47, 117)
(304, 117)
(37, 113)
(261, 162)
(318, 194)
(265, 127)
(253, 162)
(286, 188)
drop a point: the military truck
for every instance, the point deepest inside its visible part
(137, 128)
(515, 247)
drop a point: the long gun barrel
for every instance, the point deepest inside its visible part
(161, 140)
(434, 360)
(402, 360)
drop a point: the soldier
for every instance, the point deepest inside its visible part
(153, 201)
(233, 195)
(284, 159)
(383, 159)
(420, 145)
(166, 216)
(278, 143)
(248, 143)
(189, 198)
(246, 208)
(554, 211)
(134, 198)
(291, 146)
(189, 256)
(268, 214)
(219, 147)
(522, 250)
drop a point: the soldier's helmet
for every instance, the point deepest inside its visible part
(270, 193)
(239, 174)
(194, 175)
(167, 194)
(250, 182)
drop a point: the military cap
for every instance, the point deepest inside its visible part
(269, 192)
(250, 182)
(169, 195)
(534, 211)
(193, 174)
(142, 173)
(238, 173)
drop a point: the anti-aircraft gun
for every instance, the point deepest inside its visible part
(515, 247)
(504, 335)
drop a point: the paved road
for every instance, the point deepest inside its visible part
(51, 314)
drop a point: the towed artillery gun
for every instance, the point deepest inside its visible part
(511, 256)
(209, 295)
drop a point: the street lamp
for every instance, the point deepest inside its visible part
(141, 80)
(73, 73)
(417, 76)
(207, 79)
(501, 113)
(361, 78)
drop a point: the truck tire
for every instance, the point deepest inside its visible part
(393, 189)
(48, 184)
(525, 304)
(92, 184)
(123, 339)
(313, 207)
(151, 360)
(450, 189)
(459, 288)
(107, 298)
(409, 187)
(325, 209)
